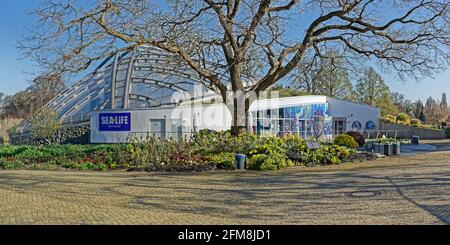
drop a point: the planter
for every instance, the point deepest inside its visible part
(370, 146)
(396, 149)
(387, 149)
(415, 140)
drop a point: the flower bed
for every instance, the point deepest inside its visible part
(206, 151)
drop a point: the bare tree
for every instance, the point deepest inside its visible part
(304, 77)
(29, 101)
(46, 86)
(434, 112)
(212, 35)
(318, 126)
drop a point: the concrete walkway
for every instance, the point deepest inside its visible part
(416, 149)
(400, 190)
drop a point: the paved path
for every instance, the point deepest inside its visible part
(407, 190)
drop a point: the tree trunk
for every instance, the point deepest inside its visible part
(239, 111)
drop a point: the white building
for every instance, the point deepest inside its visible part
(142, 93)
(289, 115)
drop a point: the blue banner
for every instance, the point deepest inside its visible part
(115, 121)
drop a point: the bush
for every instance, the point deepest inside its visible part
(212, 142)
(296, 150)
(267, 162)
(414, 122)
(224, 160)
(390, 118)
(207, 150)
(402, 118)
(11, 164)
(345, 140)
(335, 154)
(358, 137)
(268, 153)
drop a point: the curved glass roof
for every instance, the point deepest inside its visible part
(143, 78)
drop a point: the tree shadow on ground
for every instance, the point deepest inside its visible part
(262, 197)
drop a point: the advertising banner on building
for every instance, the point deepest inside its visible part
(115, 121)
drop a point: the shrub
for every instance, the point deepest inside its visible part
(414, 122)
(11, 164)
(334, 154)
(268, 154)
(224, 160)
(209, 142)
(402, 118)
(390, 118)
(296, 149)
(86, 166)
(267, 162)
(207, 150)
(345, 140)
(358, 137)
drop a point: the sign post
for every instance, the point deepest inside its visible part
(313, 146)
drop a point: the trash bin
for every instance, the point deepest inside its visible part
(396, 149)
(240, 161)
(387, 149)
(415, 140)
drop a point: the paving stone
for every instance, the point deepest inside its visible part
(409, 190)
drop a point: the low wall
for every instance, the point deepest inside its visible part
(72, 135)
(407, 131)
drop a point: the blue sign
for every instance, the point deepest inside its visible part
(370, 125)
(357, 125)
(115, 121)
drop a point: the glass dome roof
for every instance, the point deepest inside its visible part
(143, 78)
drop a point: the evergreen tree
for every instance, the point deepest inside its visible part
(418, 110)
(444, 101)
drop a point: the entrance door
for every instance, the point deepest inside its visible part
(338, 126)
(158, 128)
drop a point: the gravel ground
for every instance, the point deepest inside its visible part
(398, 190)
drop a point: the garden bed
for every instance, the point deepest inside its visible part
(206, 151)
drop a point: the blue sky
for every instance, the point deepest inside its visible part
(13, 77)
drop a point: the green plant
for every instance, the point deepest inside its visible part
(207, 150)
(390, 118)
(402, 118)
(345, 140)
(268, 153)
(86, 166)
(358, 137)
(224, 160)
(11, 164)
(44, 124)
(296, 150)
(414, 122)
(267, 162)
(208, 142)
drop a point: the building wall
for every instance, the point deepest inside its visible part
(354, 112)
(182, 121)
(338, 110)
(215, 117)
